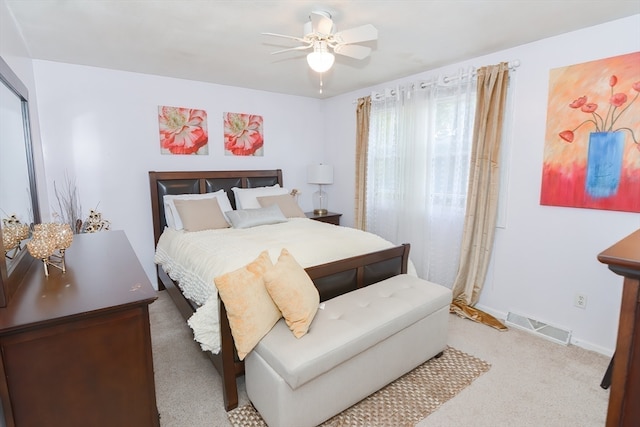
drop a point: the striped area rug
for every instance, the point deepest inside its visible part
(405, 401)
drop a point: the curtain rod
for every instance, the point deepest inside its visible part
(445, 79)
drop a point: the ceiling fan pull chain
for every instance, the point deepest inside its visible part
(321, 84)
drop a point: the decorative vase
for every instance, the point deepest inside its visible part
(604, 163)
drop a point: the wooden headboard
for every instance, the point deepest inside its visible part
(163, 183)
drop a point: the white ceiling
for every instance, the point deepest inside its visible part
(221, 41)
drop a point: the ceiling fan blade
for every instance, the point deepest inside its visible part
(352, 50)
(356, 35)
(300, 39)
(321, 23)
(292, 48)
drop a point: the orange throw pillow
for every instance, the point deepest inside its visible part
(251, 311)
(294, 293)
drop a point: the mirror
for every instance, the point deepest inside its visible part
(18, 197)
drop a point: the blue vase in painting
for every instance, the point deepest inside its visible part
(604, 163)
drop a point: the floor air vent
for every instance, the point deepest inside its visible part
(549, 332)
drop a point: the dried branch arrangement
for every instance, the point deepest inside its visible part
(70, 210)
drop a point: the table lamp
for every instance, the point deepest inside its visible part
(321, 175)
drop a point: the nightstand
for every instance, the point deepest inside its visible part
(329, 217)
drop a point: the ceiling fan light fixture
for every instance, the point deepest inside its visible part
(320, 61)
(320, 34)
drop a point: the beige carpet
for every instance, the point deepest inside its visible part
(403, 402)
(532, 382)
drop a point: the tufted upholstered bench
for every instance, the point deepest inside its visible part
(357, 343)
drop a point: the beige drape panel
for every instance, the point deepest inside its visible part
(482, 196)
(363, 112)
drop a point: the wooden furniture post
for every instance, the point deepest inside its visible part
(623, 258)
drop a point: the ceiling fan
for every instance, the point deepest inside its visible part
(320, 35)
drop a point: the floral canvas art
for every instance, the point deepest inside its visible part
(592, 140)
(183, 130)
(243, 134)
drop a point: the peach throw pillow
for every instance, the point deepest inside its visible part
(251, 311)
(294, 293)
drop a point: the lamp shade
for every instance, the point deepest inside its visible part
(320, 61)
(320, 174)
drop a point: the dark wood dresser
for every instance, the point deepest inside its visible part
(623, 258)
(76, 347)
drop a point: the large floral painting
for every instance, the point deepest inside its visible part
(592, 141)
(243, 134)
(183, 130)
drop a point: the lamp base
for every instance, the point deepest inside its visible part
(320, 205)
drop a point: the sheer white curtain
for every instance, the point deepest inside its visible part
(417, 170)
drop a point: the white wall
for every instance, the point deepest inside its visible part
(100, 127)
(544, 255)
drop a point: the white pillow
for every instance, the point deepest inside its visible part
(246, 218)
(247, 198)
(171, 215)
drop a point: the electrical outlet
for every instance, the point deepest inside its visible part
(580, 301)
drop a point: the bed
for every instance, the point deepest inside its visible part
(330, 278)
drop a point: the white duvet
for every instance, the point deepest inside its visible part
(195, 259)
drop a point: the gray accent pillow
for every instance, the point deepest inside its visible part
(246, 218)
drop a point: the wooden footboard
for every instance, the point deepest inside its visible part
(331, 279)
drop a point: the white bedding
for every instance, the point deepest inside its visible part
(195, 259)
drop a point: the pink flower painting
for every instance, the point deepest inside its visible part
(243, 134)
(592, 140)
(183, 130)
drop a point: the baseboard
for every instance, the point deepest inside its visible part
(577, 341)
(500, 315)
